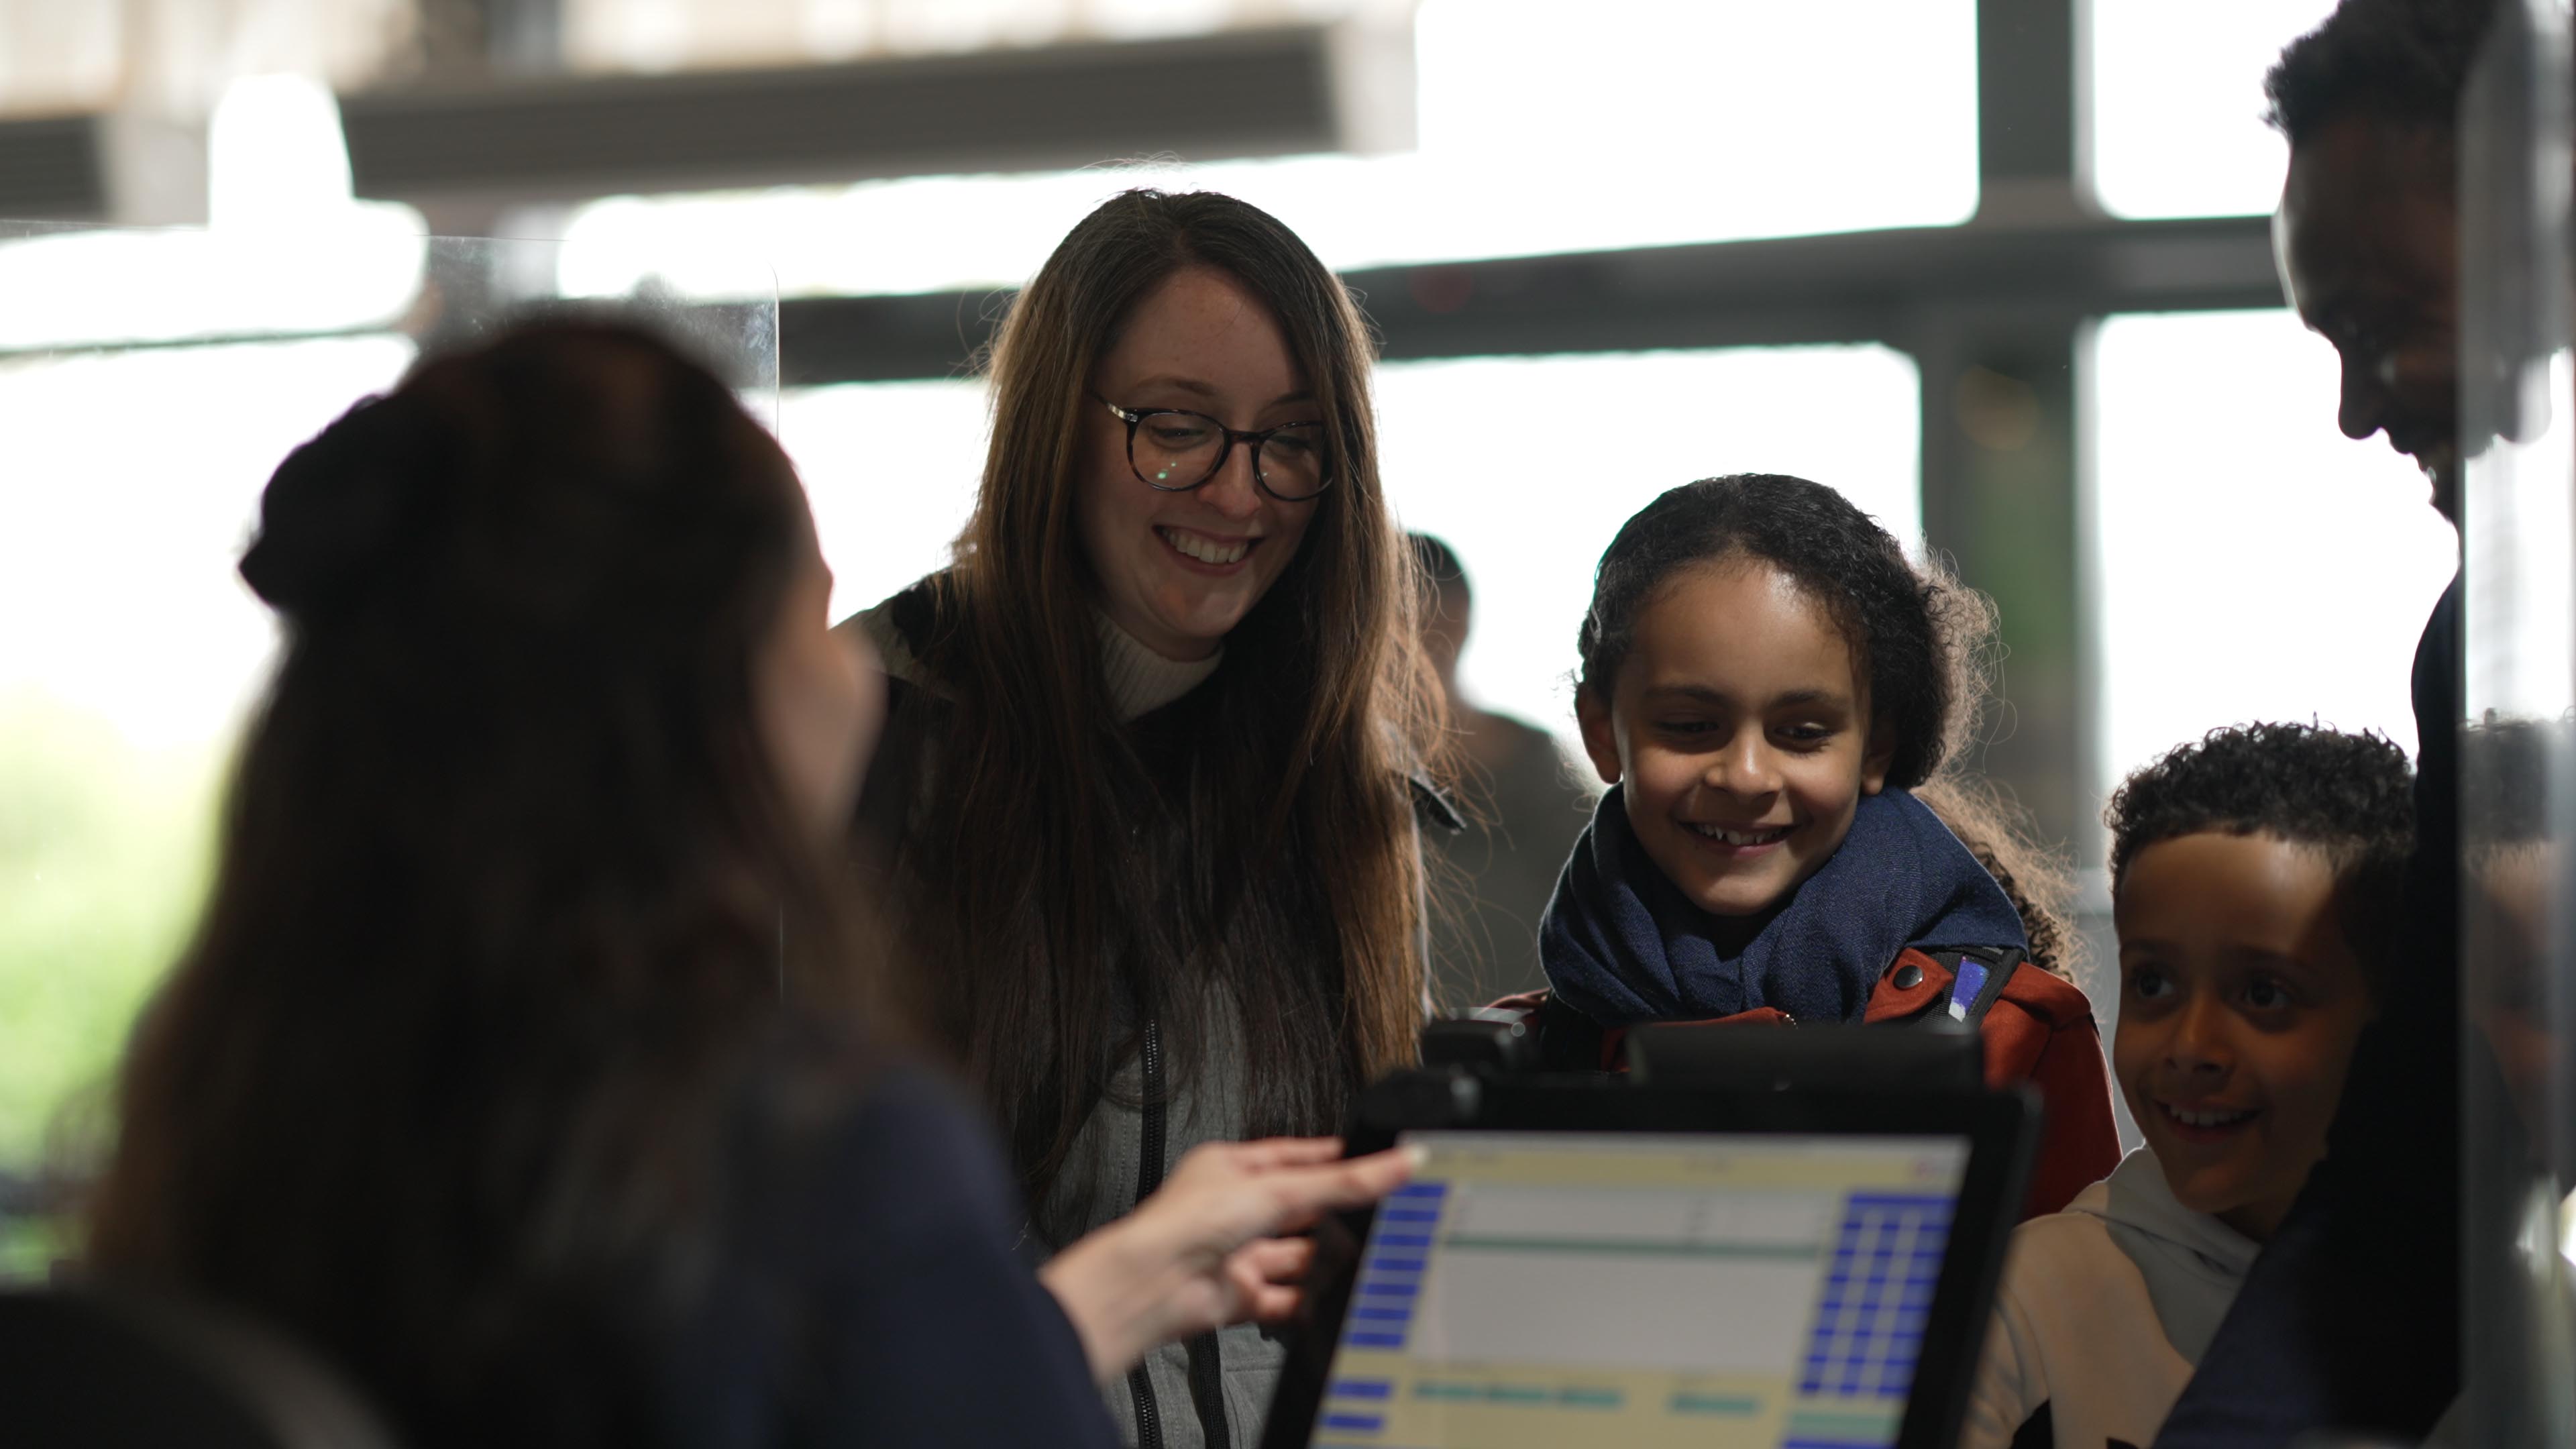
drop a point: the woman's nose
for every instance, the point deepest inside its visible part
(1232, 491)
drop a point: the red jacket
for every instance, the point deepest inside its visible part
(2037, 1028)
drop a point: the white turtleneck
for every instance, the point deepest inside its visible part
(1140, 680)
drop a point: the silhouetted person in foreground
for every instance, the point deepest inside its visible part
(2351, 1320)
(521, 1066)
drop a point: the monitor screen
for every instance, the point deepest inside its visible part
(1545, 1288)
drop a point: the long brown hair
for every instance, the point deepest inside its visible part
(504, 872)
(1252, 842)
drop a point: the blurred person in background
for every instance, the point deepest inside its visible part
(1528, 808)
(1147, 798)
(520, 1066)
(2350, 1321)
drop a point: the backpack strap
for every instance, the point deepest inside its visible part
(1961, 983)
(1978, 975)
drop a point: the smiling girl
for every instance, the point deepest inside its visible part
(1773, 688)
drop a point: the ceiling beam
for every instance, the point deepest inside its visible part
(569, 138)
(1857, 287)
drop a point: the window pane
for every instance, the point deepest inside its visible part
(139, 437)
(891, 471)
(1543, 128)
(1493, 454)
(2177, 90)
(131, 650)
(2254, 564)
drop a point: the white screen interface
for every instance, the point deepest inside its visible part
(1530, 1289)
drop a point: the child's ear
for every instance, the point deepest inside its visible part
(1600, 741)
(1882, 753)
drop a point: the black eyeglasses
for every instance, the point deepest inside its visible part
(1175, 450)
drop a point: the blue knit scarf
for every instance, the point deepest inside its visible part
(1622, 944)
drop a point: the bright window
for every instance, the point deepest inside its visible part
(2177, 102)
(2253, 563)
(131, 650)
(1543, 128)
(890, 470)
(1527, 466)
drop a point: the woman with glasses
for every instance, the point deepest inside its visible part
(485, 1079)
(1147, 798)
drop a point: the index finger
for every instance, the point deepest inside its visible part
(1301, 1193)
(1271, 1153)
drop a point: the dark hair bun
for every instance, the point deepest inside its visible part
(335, 508)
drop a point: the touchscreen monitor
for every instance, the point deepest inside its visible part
(1709, 1289)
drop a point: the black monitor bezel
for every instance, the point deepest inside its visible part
(2001, 1129)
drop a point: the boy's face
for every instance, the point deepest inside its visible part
(2240, 1001)
(1738, 734)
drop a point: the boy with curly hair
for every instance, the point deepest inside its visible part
(2254, 874)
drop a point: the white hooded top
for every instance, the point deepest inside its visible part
(2104, 1311)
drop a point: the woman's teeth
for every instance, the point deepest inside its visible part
(2204, 1119)
(1205, 550)
(1741, 837)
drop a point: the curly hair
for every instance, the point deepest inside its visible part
(1919, 636)
(2405, 61)
(2505, 766)
(2350, 796)
(1921, 639)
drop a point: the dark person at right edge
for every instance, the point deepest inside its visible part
(2350, 1320)
(1144, 788)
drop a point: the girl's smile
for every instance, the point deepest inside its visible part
(1738, 733)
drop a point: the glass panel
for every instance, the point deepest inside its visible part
(150, 381)
(1661, 124)
(891, 470)
(2176, 90)
(2518, 771)
(2217, 502)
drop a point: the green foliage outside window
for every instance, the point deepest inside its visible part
(104, 848)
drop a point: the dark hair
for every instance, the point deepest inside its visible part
(1915, 633)
(1437, 562)
(503, 870)
(2401, 61)
(2349, 796)
(1268, 812)
(2506, 762)
(1918, 636)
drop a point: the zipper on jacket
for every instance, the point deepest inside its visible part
(1149, 1176)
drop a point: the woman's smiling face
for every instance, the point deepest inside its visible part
(1178, 571)
(2240, 1002)
(1738, 733)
